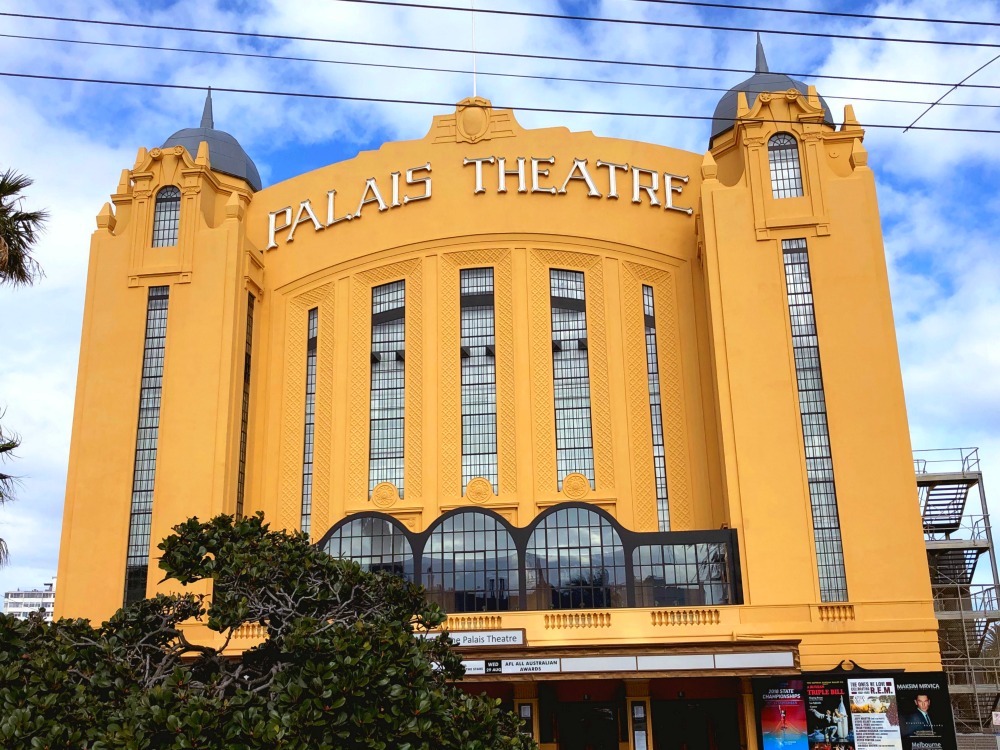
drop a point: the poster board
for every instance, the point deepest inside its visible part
(855, 711)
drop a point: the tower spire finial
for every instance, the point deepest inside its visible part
(207, 121)
(761, 66)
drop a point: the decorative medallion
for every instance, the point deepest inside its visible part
(156, 153)
(479, 490)
(385, 495)
(576, 486)
(472, 119)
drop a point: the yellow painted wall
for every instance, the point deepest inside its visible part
(734, 440)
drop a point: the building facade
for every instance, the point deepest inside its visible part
(632, 415)
(21, 604)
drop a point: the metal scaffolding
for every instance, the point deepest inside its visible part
(965, 585)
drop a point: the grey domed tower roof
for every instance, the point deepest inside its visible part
(762, 81)
(225, 152)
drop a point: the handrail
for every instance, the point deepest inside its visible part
(975, 598)
(946, 460)
(976, 670)
(970, 529)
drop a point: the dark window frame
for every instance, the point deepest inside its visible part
(245, 407)
(574, 432)
(631, 540)
(814, 421)
(166, 217)
(146, 444)
(477, 344)
(309, 428)
(785, 166)
(387, 388)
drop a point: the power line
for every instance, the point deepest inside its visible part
(453, 50)
(938, 102)
(423, 103)
(459, 71)
(675, 24)
(827, 13)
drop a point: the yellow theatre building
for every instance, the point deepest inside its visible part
(632, 415)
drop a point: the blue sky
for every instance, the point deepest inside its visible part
(936, 190)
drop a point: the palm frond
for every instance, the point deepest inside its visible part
(19, 231)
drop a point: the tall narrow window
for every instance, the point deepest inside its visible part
(655, 410)
(388, 401)
(166, 216)
(245, 412)
(307, 443)
(571, 376)
(479, 377)
(815, 431)
(144, 471)
(786, 173)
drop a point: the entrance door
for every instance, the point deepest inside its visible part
(695, 725)
(587, 726)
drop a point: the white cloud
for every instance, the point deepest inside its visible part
(935, 189)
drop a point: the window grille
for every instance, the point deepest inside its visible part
(786, 172)
(571, 376)
(479, 377)
(815, 430)
(166, 216)
(377, 544)
(570, 557)
(655, 410)
(575, 559)
(388, 397)
(245, 412)
(144, 472)
(470, 564)
(682, 575)
(312, 338)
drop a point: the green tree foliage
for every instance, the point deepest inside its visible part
(342, 664)
(19, 232)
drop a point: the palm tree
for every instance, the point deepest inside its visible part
(19, 231)
(8, 442)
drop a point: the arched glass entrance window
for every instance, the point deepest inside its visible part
(375, 542)
(470, 564)
(575, 560)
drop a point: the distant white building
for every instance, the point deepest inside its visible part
(20, 604)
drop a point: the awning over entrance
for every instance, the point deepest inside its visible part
(632, 662)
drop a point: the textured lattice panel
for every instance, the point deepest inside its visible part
(541, 260)
(668, 346)
(450, 368)
(360, 367)
(294, 402)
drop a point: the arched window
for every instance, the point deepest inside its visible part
(166, 216)
(786, 173)
(575, 559)
(470, 564)
(375, 542)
